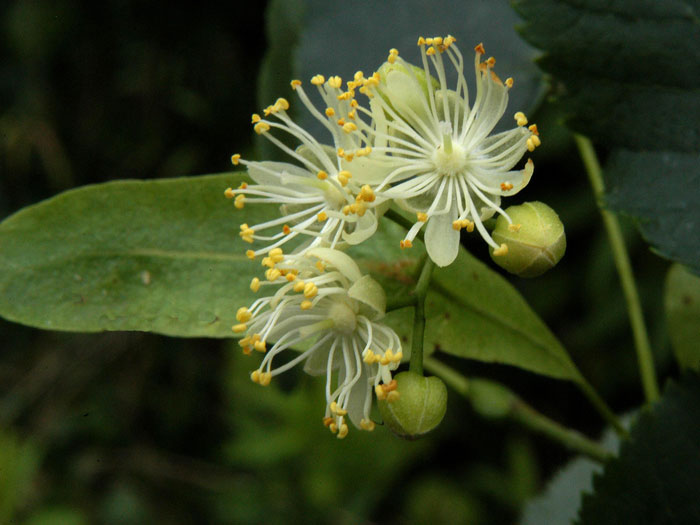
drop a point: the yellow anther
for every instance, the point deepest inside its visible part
(346, 95)
(430, 51)
(514, 227)
(306, 305)
(341, 121)
(392, 397)
(367, 194)
(509, 82)
(456, 225)
(318, 80)
(239, 202)
(349, 127)
(398, 357)
(264, 378)
(267, 261)
(310, 290)
(321, 267)
(423, 217)
(367, 425)
(346, 209)
(480, 49)
(286, 229)
(352, 114)
(327, 421)
(406, 244)
(354, 103)
(250, 254)
(333, 427)
(341, 152)
(272, 274)
(255, 284)
(243, 186)
(468, 225)
(243, 315)
(235, 159)
(323, 216)
(281, 104)
(394, 51)
(295, 83)
(391, 59)
(449, 40)
(533, 129)
(437, 41)
(506, 186)
(429, 41)
(337, 410)
(335, 82)
(530, 144)
(349, 157)
(260, 346)
(290, 277)
(343, 177)
(229, 193)
(268, 110)
(502, 250)
(276, 254)
(245, 341)
(343, 431)
(536, 140)
(379, 391)
(261, 127)
(369, 357)
(421, 41)
(255, 376)
(247, 350)
(299, 286)
(490, 61)
(390, 386)
(239, 328)
(255, 118)
(520, 118)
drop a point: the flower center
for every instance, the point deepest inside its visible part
(343, 317)
(449, 157)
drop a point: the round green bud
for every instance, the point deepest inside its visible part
(536, 240)
(420, 407)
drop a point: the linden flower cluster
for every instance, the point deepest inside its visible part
(415, 142)
(321, 299)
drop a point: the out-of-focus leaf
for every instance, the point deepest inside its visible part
(682, 303)
(630, 72)
(656, 478)
(161, 256)
(19, 463)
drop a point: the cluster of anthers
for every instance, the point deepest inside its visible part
(322, 301)
(417, 143)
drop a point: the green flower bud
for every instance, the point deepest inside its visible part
(536, 240)
(420, 407)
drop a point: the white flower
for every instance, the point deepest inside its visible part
(319, 194)
(446, 167)
(323, 302)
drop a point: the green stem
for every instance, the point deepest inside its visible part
(524, 414)
(645, 357)
(417, 340)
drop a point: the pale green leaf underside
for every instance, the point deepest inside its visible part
(161, 256)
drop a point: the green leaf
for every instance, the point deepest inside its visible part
(473, 312)
(657, 475)
(19, 463)
(630, 72)
(682, 303)
(161, 256)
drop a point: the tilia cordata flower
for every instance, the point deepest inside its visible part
(319, 194)
(321, 301)
(447, 168)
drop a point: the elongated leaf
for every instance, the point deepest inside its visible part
(682, 303)
(161, 256)
(656, 479)
(630, 71)
(473, 312)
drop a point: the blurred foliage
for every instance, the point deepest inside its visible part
(138, 428)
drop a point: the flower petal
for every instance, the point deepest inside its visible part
(441, 239)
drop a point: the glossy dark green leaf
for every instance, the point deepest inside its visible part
(627, 75)
(682, 304)
(656, 478)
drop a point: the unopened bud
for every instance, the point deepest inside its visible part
(420, 407)
(536, 240)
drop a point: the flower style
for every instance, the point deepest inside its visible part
(319, 195)
(322, 300)
(446, 167)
